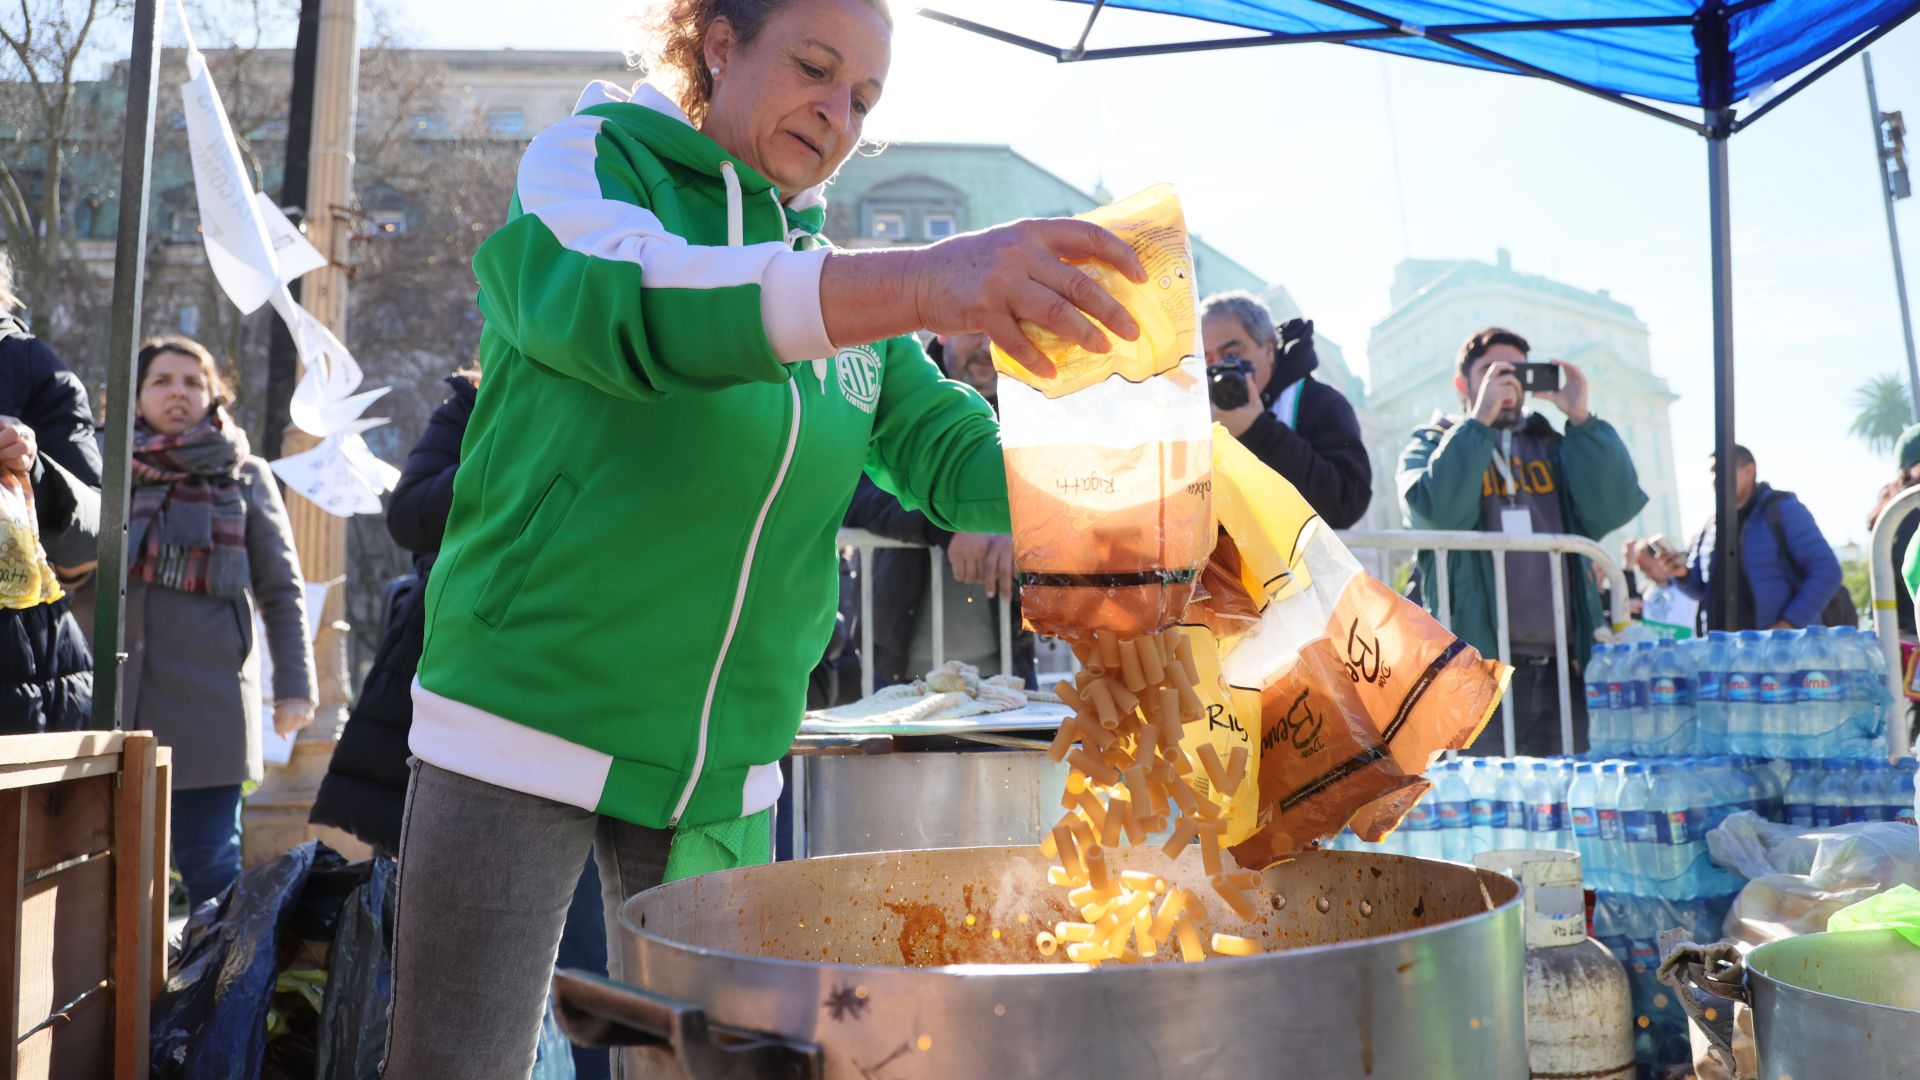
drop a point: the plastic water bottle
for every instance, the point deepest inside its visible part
(1419, 830)
(1710, 705)
(1858, 696)
(1667, 806)
(1829, 800)
(1803, 792)
(1543, 819)
(1606, 796)
(1855, 784)
(1454, 805)
(1778, 661)
(1670, 701)
(1874, 803)
(1560, 771)
(1866, 730)
(1583, 806)
(1481, 778)
(1509, 809)
(1909, 769)
(1742, 691)
(1639, 700)
(1601, 737)
(1636, 823)
(1820, 695)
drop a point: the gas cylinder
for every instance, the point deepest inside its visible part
(1579, 1010)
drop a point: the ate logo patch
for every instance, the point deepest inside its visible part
(859, 369)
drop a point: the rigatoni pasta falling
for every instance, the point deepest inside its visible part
(1127, 771)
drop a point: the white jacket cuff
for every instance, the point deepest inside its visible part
(790, 306)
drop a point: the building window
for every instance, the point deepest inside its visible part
(940, 226)
(889, 225)
(506, 121)
(389, 222)
(427, 123)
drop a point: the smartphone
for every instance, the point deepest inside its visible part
(1661, 548)
(1538, 378)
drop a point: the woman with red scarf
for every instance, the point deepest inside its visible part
(208, 543)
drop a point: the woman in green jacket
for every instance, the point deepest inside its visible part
(683, 386)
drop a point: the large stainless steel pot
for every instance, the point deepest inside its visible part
(921, 966)
(1842, 1006)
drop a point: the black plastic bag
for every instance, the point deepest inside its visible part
(210, 1023)
(353, 1027)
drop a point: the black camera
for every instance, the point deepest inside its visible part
(1227, 382)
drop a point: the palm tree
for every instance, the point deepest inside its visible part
(1884, 411)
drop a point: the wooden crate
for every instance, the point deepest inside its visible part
(83, 900)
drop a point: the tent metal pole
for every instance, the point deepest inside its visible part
(123, 336)
(1725, 593)
(1882, 155)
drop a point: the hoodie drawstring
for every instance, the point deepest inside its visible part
(736, 224)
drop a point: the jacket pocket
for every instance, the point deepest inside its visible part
(510, 573)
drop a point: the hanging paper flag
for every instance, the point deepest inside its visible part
(325, 477)
(293, 253)
(238, 246)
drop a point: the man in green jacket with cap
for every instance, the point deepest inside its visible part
(1497, 469)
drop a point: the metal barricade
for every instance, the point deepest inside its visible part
(865, 544)
(1883, 577)
(1413, 540)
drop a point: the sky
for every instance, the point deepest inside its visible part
(1321, 166)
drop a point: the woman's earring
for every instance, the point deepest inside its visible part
(715, 71)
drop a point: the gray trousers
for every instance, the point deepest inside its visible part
(486, 875)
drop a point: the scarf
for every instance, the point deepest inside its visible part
(187, 527)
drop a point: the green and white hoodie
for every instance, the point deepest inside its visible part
(639, 569)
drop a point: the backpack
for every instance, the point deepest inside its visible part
(1839, 610)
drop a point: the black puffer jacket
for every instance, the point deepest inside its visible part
(46, 669)
(365, 790)
(1318, 448)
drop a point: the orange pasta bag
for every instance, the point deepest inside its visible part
(1360, 690)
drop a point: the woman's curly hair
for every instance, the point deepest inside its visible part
(677, 35)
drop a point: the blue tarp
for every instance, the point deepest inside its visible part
(1767, 41)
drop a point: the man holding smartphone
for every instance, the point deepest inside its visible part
(1501, 469)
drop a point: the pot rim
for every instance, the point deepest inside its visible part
(1781, 986)
(1064, 968)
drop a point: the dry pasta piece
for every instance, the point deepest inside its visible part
(1131, 675)
(1097, 867)
(1046, 943)
(1095, 912)
(1242, 879)
(1076, 782)
(1116, 819)
(1190, 948)
(1233, 945)
(1087, 952)
(1065, 849)
(1183, 649)
(1098, 771)
(1210, 849)
(1124, 700)
(1142, 924)
(1070, 932)
(1236, 770)
(1170, 909)
(1062, 742)
(1140, 879)
(1184, 831)
(1102, 698)
(1064, 878)
(1152, 668)
(1109, 651)
(1088, 729)
(1236, 899)
(1090, 893)
(1216, 772)
(1068, 693)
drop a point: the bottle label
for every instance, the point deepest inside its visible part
(1879, 813)
(1817, 685)
(1509, 815)
(1707, 687)
(1638, 826)
(1619, 696)
(1420, 817)
(1739, 687)
(1855, 814)
(1800, 814)
(1585, 821)
(1597, 697)
(1637, 694)
(1542, 818)
(1670, 827)
(1609, 823)
(1776, 689)
(1480, 813)
(1672, 692)
(1453, 815)
(1905, 816)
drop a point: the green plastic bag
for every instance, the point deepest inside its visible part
(1896, 909)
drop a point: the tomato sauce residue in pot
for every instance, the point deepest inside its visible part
(923, 934)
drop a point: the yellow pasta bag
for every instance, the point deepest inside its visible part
(1232, 714)
(1359, 688)
(1152, 223)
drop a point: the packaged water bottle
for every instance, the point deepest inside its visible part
(1600, 719)
(1560, 774)
(1829, 799)
(1509, 809)
(1639, 700)
(1672, 841)
(1455, 810)
(1543, 819)
(1857, 696)
(1636, 823)
(1910, 774)
(1610, 925)
(1874, 803)
(1742, 691)
(1670, 701)
(1819, 697)
(1583, 807)
(1871, 704)
(1613, 837)
(1854, 783)
(1803, 794)
(1777, 697)
(1481, 778)
(1710, 706)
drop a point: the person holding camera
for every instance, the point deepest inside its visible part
(1265, 395)
(1499, 469)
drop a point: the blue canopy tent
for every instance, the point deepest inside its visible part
(1704, 58)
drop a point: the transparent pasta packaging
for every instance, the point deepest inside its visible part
(26, 577)
(1109, 458)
